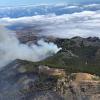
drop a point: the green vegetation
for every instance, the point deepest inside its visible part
(71, 65)
(76, 56)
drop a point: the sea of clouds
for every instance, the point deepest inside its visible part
(85, 23)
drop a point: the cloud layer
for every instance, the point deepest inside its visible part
(84, 24)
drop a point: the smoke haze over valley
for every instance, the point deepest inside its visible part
(11, 49)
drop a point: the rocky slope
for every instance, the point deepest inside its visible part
(23, 81)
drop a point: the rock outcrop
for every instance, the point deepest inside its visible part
(79, 86)
(51, 71)
(18, 83)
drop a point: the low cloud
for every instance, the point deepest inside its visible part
(84, 24)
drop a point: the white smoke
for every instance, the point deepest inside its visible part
(11, 49)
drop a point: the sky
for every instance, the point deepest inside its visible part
(27, 2)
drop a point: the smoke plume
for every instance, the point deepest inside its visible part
(11, 49)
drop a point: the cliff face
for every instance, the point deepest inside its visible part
(19, 83)
(81, 90)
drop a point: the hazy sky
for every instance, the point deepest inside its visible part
(26, 2)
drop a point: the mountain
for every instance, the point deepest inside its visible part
(77, 55)
(21, 80)
(73, 73)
